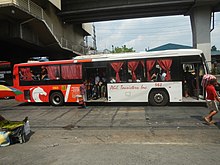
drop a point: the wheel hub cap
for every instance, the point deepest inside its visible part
(158, 98)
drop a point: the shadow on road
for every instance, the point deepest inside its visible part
(217, 124)
(113, 104)
(201, 118)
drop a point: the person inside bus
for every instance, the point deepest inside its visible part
(163, 76)
(156, 76)
(138, 78)
(129, 76)
(21, 76)
(103, 89)
(34, 76)
(100, 83)
(97, 79)
(188, 83)
(112, 80)
(44, 73)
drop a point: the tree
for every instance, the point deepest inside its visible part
(213, 48)
(123, 49)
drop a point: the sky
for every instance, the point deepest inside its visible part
(148, 33)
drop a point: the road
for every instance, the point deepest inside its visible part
(113, 134)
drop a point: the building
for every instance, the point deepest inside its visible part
(33, 28)
(170, 46)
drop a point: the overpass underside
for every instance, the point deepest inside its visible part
(104, 10)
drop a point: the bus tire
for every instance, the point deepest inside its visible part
(158, 97)
(56, 99)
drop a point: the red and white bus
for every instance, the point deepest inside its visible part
(61, 84)
(132, 74)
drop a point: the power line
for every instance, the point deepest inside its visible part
(157, 33)
(149, 28)
(156, 20)
(145, 28)
(167, 31)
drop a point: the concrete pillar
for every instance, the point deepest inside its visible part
(201, 23)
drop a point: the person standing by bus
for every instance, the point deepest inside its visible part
(83, 93)
(211, 100)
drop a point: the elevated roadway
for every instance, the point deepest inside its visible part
(81, 11)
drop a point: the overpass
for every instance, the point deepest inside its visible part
(200, 11)
(103, 10)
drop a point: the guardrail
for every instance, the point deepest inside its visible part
(38, 12)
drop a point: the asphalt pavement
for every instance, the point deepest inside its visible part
(113, 134)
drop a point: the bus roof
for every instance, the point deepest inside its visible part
(121, 56)
(150, 54)
(46, 63)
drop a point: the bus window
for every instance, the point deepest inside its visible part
(71, 71)
(25, 74)
(135, 71)
(39, 75)
(118, 71)
(176, 70)
(159, 70)
(53, 72)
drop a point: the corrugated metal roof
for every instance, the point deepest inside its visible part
(170, 46)
(216, 53)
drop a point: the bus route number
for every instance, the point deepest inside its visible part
(158, 84)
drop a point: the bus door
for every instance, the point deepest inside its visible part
(96, 78)
(192, 76)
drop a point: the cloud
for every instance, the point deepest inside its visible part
(137, 43)
(149, 32)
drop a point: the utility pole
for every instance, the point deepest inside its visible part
(94, 38)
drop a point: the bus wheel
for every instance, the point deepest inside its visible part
(56, 99)
(158, 97)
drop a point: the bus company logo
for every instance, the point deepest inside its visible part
(113, 87)
(37, 94)
(128, 87)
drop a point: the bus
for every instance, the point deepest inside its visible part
(156, 77)
(5, 73)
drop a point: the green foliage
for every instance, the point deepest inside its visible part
(123, 49)
(214, 71)
(213, 48)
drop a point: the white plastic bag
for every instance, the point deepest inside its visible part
(27, 128)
